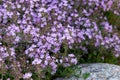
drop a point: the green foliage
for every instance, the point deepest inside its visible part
(1, 2)
(35, 76)
(47, 72)
(0, 76)
(113, 19)
(4, 43)
(94, 54)
(6, 76)
(64, 72)
(86, 75)
(98, 55)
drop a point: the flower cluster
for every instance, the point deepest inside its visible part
(37, 29)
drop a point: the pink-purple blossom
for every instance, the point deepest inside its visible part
(44, 26)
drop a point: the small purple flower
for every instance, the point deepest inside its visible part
(27, 75)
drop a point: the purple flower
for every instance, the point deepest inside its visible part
(27, 75)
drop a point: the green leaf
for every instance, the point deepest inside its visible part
(86, 75)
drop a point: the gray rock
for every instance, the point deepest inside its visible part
(96, 71)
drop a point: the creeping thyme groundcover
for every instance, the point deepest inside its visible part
(36, 35)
